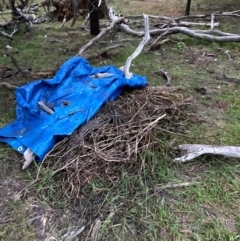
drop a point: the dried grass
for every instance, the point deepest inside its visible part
(119, 133)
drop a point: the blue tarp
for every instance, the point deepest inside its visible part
(73, 94)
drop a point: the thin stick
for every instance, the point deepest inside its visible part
(167, 76)
(183, 184)
(104, 51)
(95, 229)
(212, 21)
(29, 157)
(45, 108)
(153, 46)
(9, 86)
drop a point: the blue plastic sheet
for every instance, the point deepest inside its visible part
(73, 94)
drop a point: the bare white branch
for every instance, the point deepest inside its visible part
(195, 150)
(28, 157)
(212, 21)
(45, 108)
(139, 49)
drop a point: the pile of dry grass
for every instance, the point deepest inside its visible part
(119, 132)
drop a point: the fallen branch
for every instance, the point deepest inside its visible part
(195, 150)
(28, 157)
(212, 21)
(15, 63)
(186, 24)
(199, 34)
(155, 43)
(103, 32)
(167, 76)
(45, 108)
(8, 86)
(209, 35)
(95, 230)
(139, 49)
(123, 26)
(228, 53)
(103, 52)
(10, 36)
(223, 14)
(118, 41)
(71, 235)
(229, 79)
(176, 185)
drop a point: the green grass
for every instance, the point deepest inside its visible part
(138, 204)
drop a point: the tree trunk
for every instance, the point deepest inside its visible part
(188, 7)
(94, 21)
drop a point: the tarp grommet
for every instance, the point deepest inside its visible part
(20, 148)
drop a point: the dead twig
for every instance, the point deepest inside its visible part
(28, 157)
(95, 229)
(15, 63)
(229, 79)
(228, 53)
(167, 76)
(45, 108)
(176, 185)
(154, 45)
(8, 86)
(72, 234)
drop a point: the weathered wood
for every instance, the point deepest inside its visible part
(139, 48)
(28, 157)
(8, 86)
(196, 150)
(168, 77)
(102, 33)
(45, 108)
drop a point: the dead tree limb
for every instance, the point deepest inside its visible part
(219, 14)
(10, 36)
(103, 32)
(229, 79)
(8, 86)
(173, 26)
(209, 35)
(102, 52)
(196, 150)
(15, 63)
(139, 49)
(212, 21)
(155, 43)
(28, 158)
(166, 75)
(187, 24)
(123, 26)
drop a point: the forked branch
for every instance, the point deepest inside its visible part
(139, 49)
